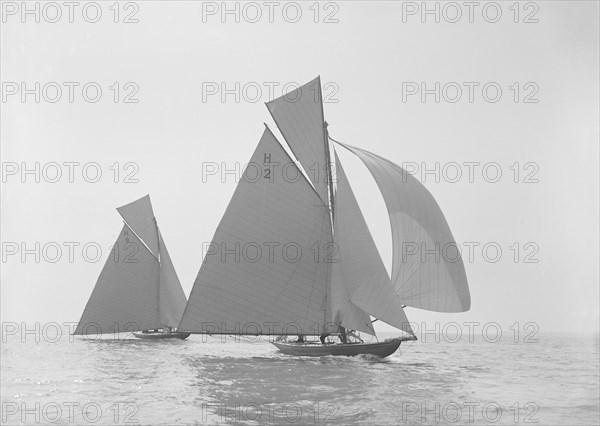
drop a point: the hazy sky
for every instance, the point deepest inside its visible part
(544, 218)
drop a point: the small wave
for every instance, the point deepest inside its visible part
(372, 358)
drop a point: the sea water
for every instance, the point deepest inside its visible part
(552, 379)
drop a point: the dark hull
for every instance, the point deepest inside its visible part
(381, 350)
(155, 336)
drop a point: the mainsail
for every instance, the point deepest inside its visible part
(137, 289)
(126, 293)
(427, 268)
(264, 271)
(299, 116)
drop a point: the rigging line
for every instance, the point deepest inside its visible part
(338, 142)
(409, 346)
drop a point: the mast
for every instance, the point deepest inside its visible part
(331, 199)
(159, 265)
(328, 165)
(157, 239)
(327, 154)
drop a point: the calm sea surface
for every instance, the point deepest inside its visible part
(205, 381)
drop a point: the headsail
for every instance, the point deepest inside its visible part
(427, 270)
(299, 116)
(363, 271)
(140, 217)
(263, 272)
(125, 295)
(171, 298)
(343, 311)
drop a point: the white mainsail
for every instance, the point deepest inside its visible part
(126, 293)
(363, 271)
(299, 116)
(137, 289)
(264, 271)
(427, 268)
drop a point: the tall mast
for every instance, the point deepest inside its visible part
(331, 199)
(160, 266)
(157, 240)
(327, 154)
(328, 165)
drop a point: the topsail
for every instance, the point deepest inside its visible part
(140, 217)
(299, 116)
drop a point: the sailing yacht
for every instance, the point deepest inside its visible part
(293, 256)
(138, 289)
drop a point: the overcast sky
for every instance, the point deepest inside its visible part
(542, 212)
